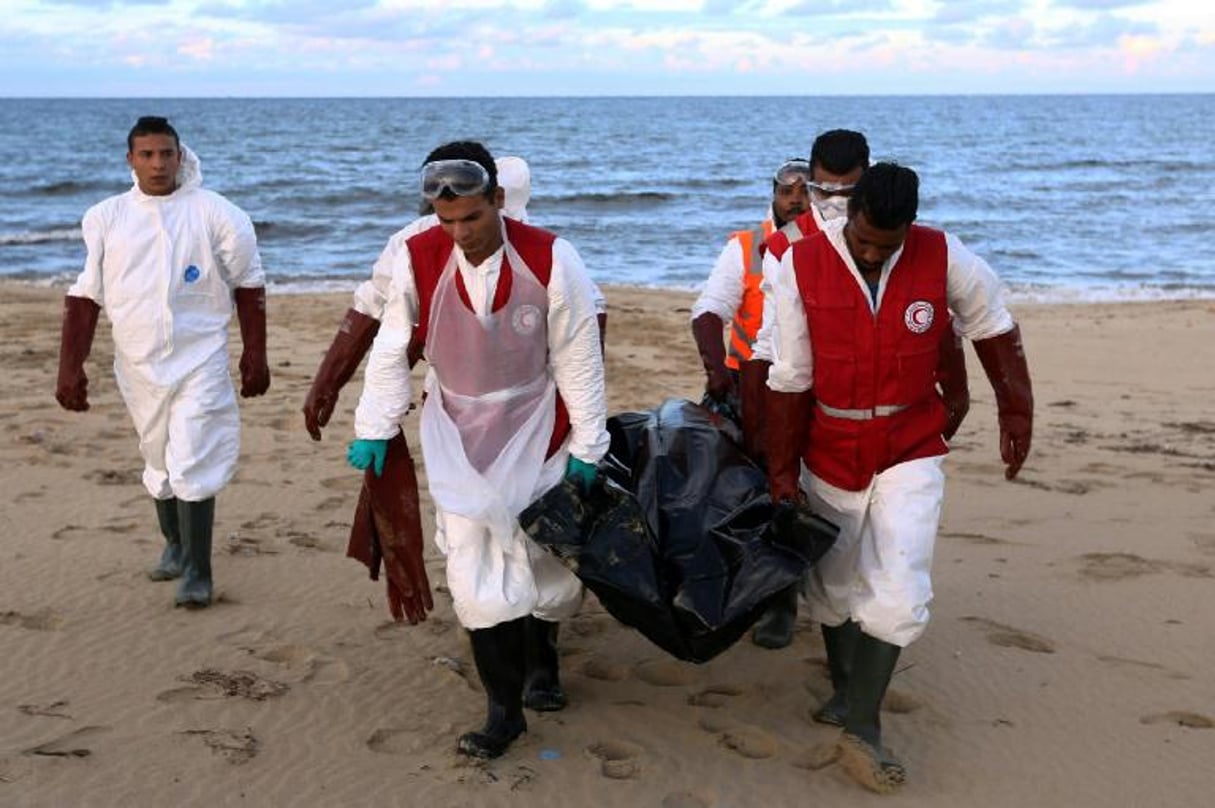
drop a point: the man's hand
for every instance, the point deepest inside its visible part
(363, 453)
(581, 473)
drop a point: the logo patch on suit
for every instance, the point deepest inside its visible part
(919, 316)
(192, 274)
(525, 319)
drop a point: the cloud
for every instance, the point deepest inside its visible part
(817, 8)
(1099, 5)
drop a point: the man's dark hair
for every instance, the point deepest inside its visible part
(467, 150)
(840, 151)
(889, 195)
(151, 125)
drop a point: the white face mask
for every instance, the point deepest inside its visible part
(830, 207)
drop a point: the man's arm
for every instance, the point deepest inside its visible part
(386, 386)
(574, 354)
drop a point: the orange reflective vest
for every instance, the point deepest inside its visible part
(749, 315)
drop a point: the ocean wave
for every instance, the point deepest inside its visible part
(70, 188)
(620, 200)
(40, 236)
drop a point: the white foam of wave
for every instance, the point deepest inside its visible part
(41, 236)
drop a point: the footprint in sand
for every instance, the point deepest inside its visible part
(115, 476)
(74, 744)
(1181, 718)
(1119, 566)
(619, 760)
(1125, 662)
(405, 741)
(53, 710)
(235, 746)
(1009, 637)
(715, 695)
(42, 620)
(301, 539)
(816, 757)
(211, 684)
(604, 670)
(242, 545)
(688, 799)
(749, 742)
(665, 672)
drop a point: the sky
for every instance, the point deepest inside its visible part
(404, 48)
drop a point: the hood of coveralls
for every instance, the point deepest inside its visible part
(189, 174)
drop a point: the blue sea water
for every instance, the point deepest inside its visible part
(1068, 197)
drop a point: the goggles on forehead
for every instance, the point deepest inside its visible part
(831, 188)
(792, 172)
(460, 177)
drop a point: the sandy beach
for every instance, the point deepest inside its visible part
(1069, 661)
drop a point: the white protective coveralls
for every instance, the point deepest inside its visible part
(515, 178)
(487, 421)
(164, 268)
(878, 572)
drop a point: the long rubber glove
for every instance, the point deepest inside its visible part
(79, 325)
(708, 332)
(363, 453)
(955, 390)
(254, 368)
(788, 425)
(349, 346)
(1003, 359)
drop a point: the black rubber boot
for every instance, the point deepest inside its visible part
(861, 752)
(840, 642)
(775, 626)
(170, 558)
(542, 686)
(195, 520)
(499, 652)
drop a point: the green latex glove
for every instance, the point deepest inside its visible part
(363, 453)
(581, 473)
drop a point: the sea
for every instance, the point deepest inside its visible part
(1070, 198)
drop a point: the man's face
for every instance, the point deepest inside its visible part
(789, 201)
(829, 203)
(155, 160)
(473, 222)
(871, 246)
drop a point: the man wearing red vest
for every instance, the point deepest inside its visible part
(387, 522)
(859, 315)
(514, 402)
(837, 159)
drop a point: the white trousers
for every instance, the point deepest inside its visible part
(878, 572)
(189, 433)
(490, 585)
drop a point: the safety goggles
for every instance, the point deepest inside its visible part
(792, 172)
(460, 177)
(831, 188)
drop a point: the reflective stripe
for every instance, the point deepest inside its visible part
(880, 411)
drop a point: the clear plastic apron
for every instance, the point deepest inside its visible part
(491, 402)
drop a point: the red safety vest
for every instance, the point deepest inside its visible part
(428, 255)
(780, 241)
(749, 315)
(876, 401)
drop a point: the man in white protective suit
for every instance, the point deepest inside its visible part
(505, 315)
(387, 523)
(168, 261)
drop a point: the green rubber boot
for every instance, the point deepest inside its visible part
(840, 642)
(196, 520)
(861, 752)
(170, 558)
